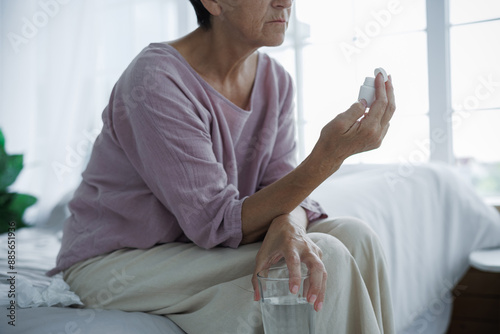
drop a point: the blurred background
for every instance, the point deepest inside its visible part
(59, 60)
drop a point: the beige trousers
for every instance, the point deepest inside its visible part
(209, 291)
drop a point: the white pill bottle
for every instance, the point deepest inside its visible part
(367, 91)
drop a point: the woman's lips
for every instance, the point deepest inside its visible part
(283, 21)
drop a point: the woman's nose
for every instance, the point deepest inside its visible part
(283, 3)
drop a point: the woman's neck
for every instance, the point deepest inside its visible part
(227, 67)
(215, 58)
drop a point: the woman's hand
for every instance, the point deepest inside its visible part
(287, 238)
(354, 130)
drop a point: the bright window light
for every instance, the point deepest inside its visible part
(333, 45)
(346, 41)
(463, 11)
(475, 87)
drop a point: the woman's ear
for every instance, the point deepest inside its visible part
(212, 6)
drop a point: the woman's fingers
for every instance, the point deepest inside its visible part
(384, 106)
(294, 272)
(348, 118)
(316, 284)
(261, 263)
(285, 239)
(378, 106)
(391, 103)
(374, 125)
(321, 296)
(255, 284)
(355, 130)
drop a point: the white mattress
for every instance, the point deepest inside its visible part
(427, 219)
(36, 252)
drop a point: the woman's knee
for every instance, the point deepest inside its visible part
(334, 252)
(351, 228)
(354, 233)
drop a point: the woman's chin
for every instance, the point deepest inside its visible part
(275, 41)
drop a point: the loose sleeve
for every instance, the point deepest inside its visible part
(166, 137)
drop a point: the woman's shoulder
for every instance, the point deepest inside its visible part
(160, 56)
(159, 65)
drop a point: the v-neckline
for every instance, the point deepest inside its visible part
(211, 88)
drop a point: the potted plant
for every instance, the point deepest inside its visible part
(12, 205)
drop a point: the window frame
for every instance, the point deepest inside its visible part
(440, 111)
(439, 74)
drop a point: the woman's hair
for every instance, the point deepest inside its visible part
(202, 14)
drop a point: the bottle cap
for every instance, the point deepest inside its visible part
(381, 70)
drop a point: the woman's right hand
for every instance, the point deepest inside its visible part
(355, 131)
(287, 239)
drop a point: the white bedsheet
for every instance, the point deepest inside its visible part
(36, 251)
(427, 219)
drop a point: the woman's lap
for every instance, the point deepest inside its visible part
(209, 291)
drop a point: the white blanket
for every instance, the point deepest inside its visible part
(427, 218)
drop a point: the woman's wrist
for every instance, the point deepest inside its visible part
(320, 165)
(296, 220)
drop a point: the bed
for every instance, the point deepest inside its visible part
(427, 218)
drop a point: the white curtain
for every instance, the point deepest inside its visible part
(59, 62)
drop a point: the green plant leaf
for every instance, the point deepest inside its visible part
(13, 210)
(2, 141)
(20, 203)
(3, 154)
(10, 168)
(5, 199)
(6, 218)
(12, 205)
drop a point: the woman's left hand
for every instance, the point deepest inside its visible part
(287, 238)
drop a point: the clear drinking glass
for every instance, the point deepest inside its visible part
(282, 311)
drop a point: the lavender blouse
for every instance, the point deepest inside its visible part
(175, 159)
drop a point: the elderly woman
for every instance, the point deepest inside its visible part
(192, 187)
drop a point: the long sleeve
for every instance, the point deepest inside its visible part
(175, 159)
(167, 138)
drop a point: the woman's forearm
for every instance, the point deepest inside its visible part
(350, 132)
(283, 196)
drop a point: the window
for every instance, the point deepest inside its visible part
(475, 92)
(337, 44)
(437, 69)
